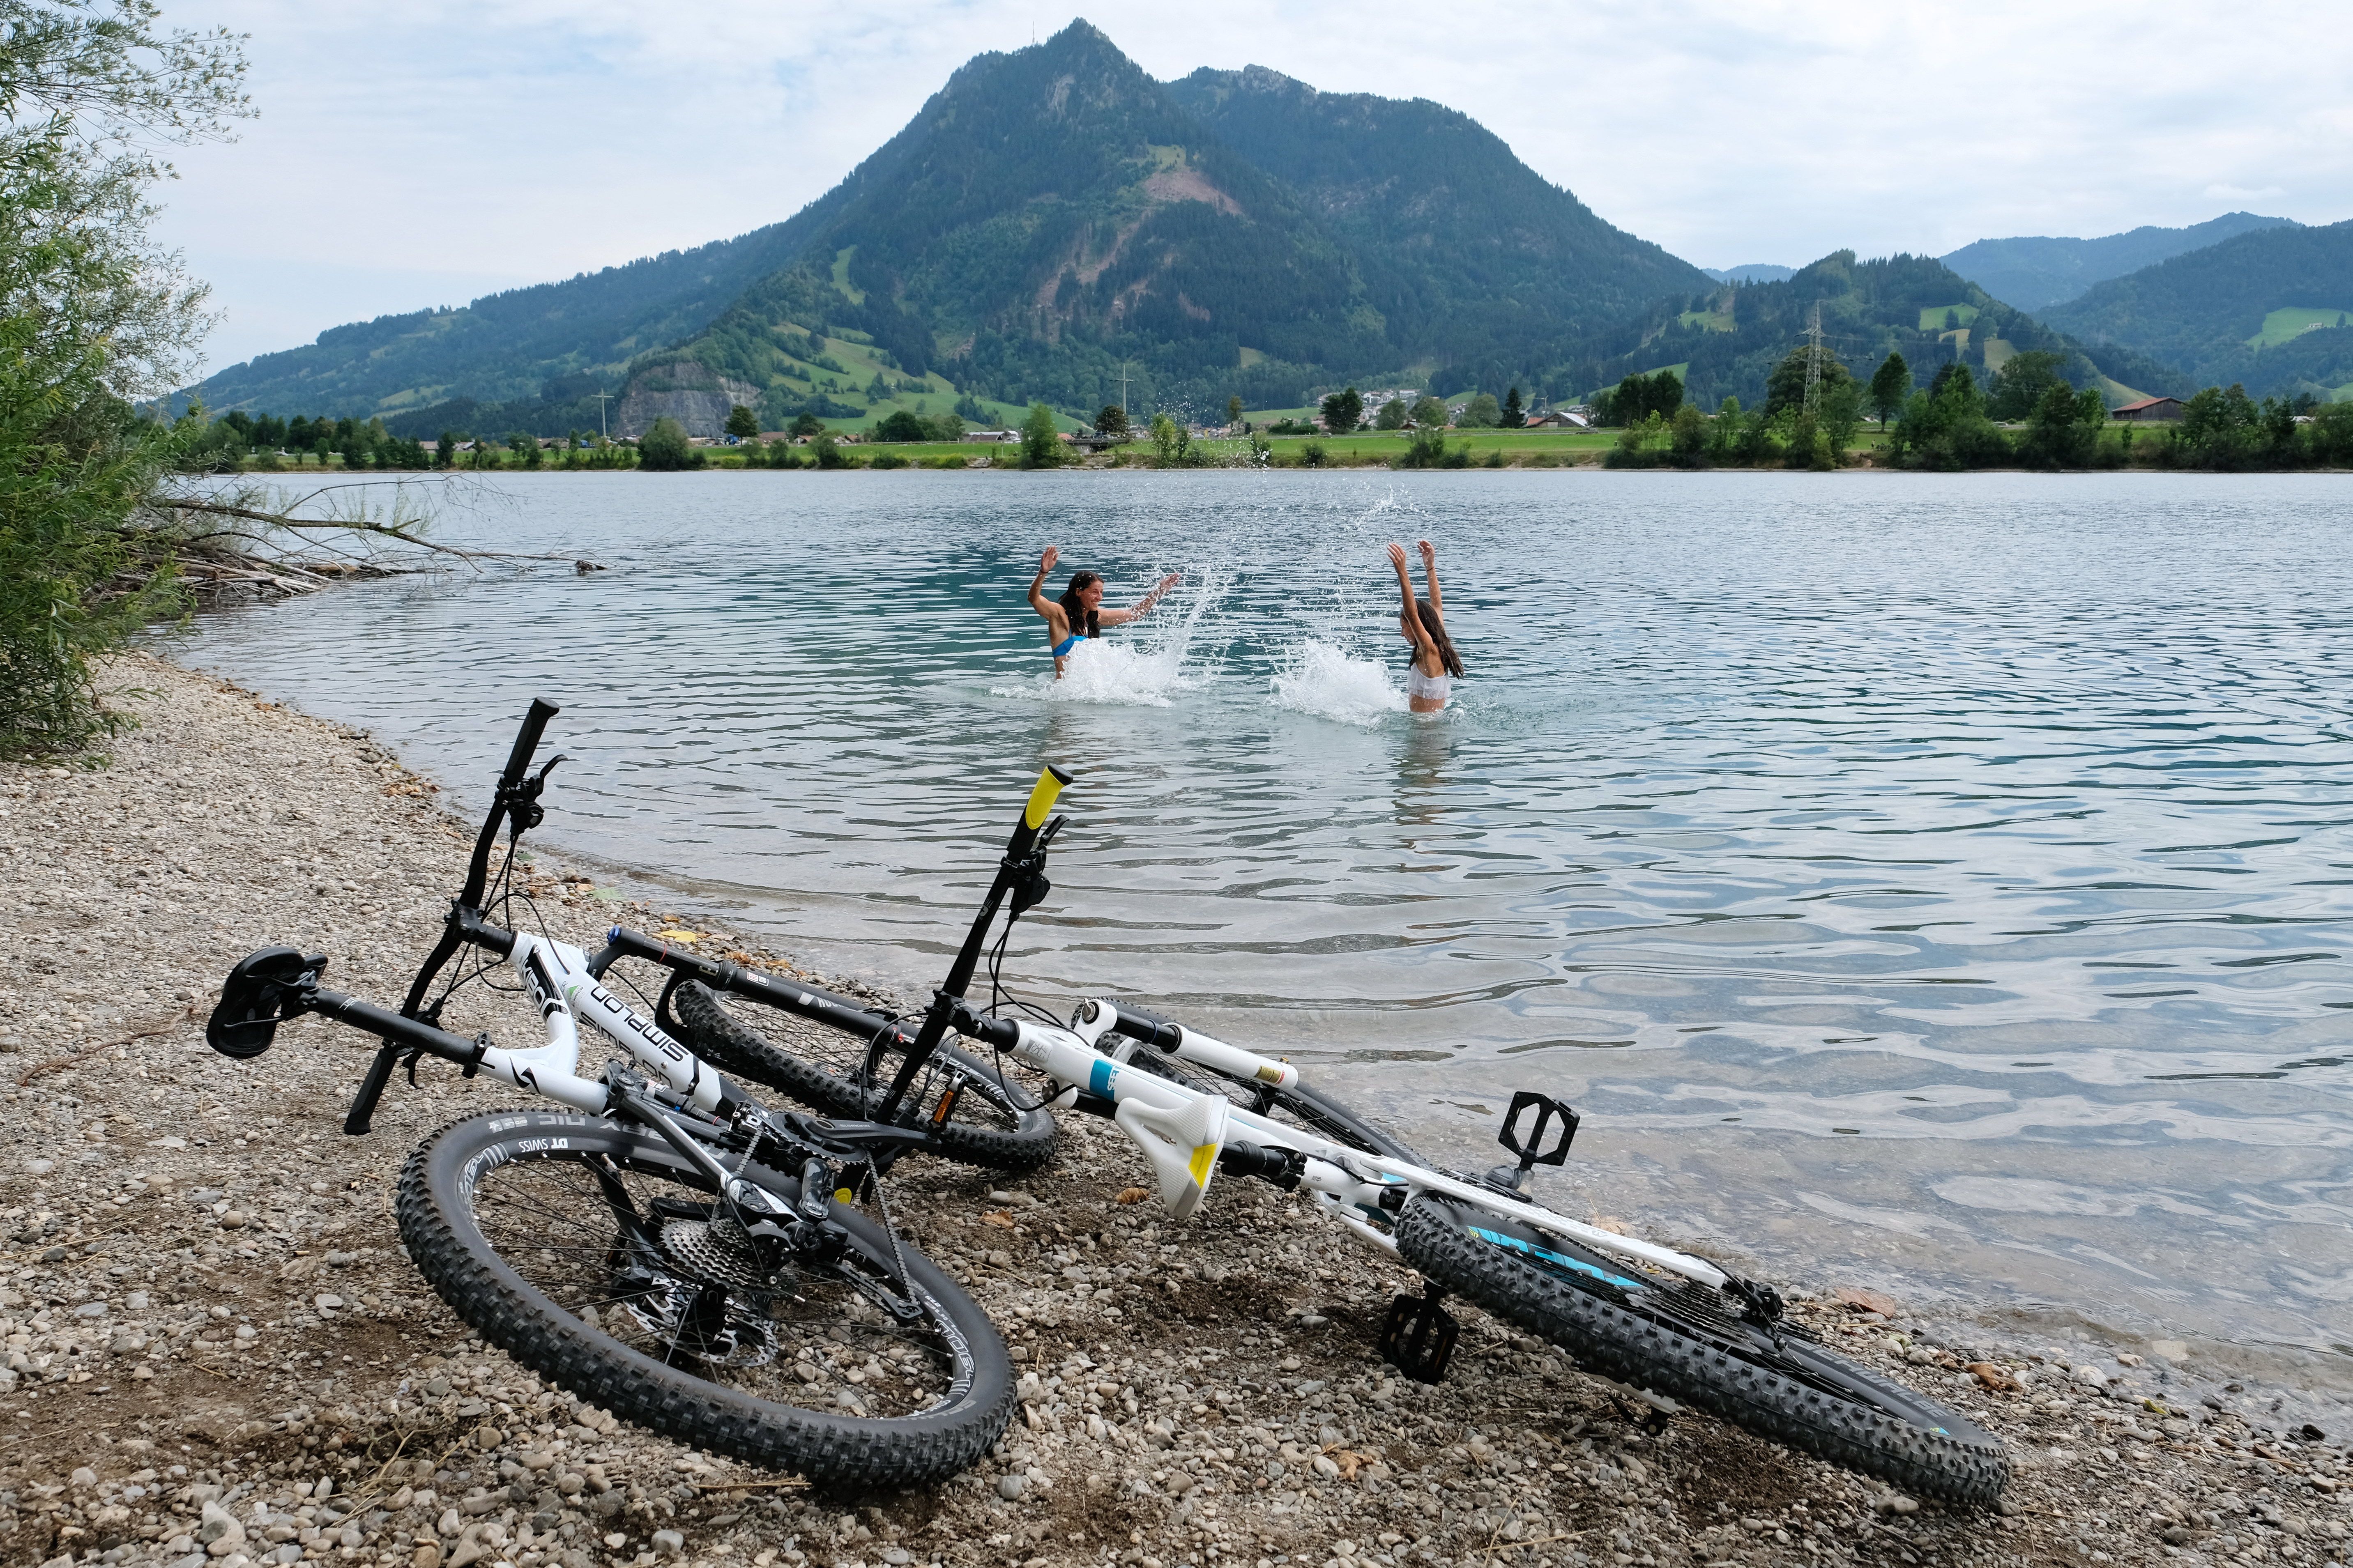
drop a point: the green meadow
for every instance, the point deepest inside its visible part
(2294, 321)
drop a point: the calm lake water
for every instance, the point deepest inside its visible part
(1942, 884)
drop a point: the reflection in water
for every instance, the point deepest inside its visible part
(1913, 880)
(1427, 745)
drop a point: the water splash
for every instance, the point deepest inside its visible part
(1316, 677)
(1101, 670)
(1147, 664)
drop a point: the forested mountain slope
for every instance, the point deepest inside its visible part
(1467, 252)
(1049, 214)
(1729, 338)
(2035, 271)
(2262, 308)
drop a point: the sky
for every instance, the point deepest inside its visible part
(427, 154)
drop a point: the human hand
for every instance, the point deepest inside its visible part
(1169, 582)
(1046, 562)
(1396, 557)
(1428, 550)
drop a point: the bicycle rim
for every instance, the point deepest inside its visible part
(590, 1252)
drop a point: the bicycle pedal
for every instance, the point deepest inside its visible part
(1530, 1148)
(1418, 1336)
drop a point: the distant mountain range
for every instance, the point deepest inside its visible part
(1055, 225)
(1727, 339)
(2272, 309)
(1050, 218)
(2035, 272)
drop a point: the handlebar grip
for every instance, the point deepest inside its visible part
(534, 725)
(1002, 1033)
(1157, 1032)
(1051, 781)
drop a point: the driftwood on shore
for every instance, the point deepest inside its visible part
(250, 544)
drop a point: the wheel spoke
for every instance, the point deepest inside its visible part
(578, 1232)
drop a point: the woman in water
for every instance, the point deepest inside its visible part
(1078, 613)
(1429, 680)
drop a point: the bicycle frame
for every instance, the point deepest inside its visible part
(565, 992)
(1187, 1135)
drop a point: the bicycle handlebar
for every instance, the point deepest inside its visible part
(512, 801)
(1020, 868)
(723, 975)
(506, 803)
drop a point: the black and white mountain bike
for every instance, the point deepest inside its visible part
(661, 1243)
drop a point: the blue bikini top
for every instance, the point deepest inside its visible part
(1062, 649)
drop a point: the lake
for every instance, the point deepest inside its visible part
(1935, 883)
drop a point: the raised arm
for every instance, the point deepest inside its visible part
(1037, 600)
(1413, 626)
(1429, 571)
(1142, 606)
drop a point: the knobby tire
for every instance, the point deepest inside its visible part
(1686, 1341)
(471, 1167)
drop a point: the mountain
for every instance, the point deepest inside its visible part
(1727, 339)
(2264, 309)
(1051, 220)
(1752, 272)
(2034, 272)
(556, 342)
(1465, 251)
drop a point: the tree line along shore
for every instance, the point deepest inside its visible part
(1817, 415)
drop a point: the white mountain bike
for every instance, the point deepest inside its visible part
(1642, 1314)
(663, 1245)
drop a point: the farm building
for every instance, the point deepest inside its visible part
(2148, 408)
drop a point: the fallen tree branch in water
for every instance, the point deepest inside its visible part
(252, 541)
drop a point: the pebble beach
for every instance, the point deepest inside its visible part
(213, 1350)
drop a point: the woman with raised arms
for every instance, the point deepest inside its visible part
(1078, 613)
(1429, 677)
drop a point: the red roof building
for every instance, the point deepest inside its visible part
(2148, 408)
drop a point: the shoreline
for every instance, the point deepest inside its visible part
(1572, 463)
(189, 1199)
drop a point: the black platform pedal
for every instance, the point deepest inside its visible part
(1419, 1337)
(1531, 1149)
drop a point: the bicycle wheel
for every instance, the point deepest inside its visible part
(998, 1123)
(1309, 1108)
(1679, 1338)
(586, 1250)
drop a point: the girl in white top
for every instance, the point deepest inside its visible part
(1429, 680)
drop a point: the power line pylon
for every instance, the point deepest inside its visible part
(1814, 362)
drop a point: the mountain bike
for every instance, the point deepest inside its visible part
(661, 1244)
(1642, 1314)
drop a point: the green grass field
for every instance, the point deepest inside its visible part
(1932, 317)
(2294, 321)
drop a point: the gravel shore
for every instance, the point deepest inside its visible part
(216, 1352)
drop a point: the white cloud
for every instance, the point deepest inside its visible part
(511, 139)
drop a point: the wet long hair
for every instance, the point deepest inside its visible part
(1074, 609)
(1450, 661)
